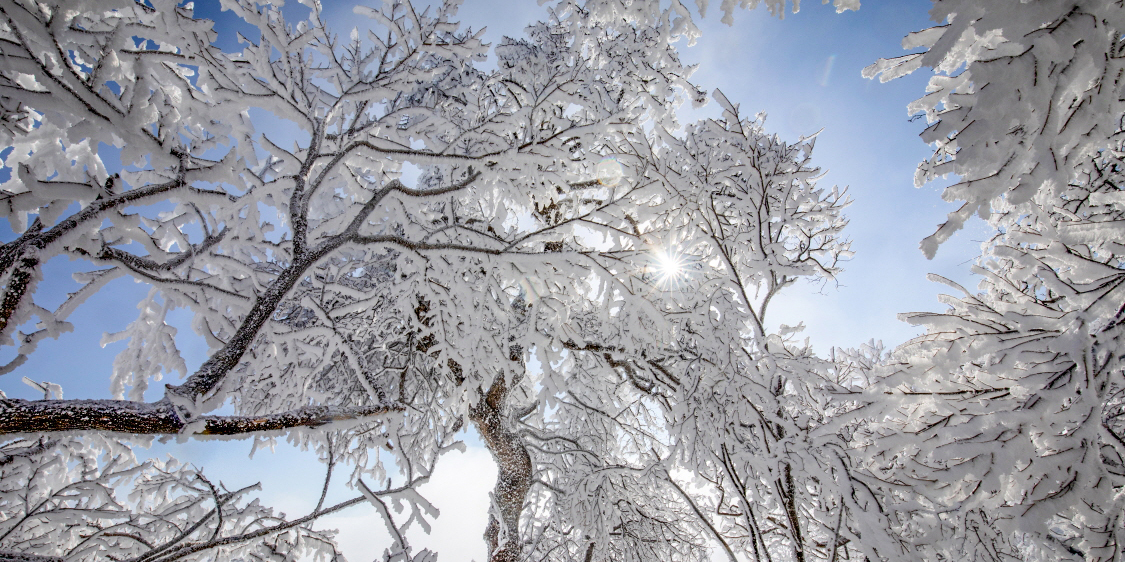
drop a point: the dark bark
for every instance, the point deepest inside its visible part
(20, 256)
(789, 497)
(19, 284)
(212, 372)
(513, 480)
(11, 556)
(159, 418)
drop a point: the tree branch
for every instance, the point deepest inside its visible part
(11, 556)
(160, 418)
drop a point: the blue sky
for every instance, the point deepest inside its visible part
(803, 71)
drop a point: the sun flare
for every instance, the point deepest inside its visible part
(609, 172)
(669, 265)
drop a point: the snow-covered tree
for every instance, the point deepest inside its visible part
(88, 498)
(997, 434)
(541, 252)
(750, 415)
(714, 440)
(328, 289)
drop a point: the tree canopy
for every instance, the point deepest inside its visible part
(541, 251)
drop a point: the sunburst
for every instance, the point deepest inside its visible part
(670, 266)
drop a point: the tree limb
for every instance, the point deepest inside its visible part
(160, 418)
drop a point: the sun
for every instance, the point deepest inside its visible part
(669, 266)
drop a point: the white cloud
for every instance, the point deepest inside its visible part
(459, 488)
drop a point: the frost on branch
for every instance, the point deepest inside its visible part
(1023, 97)
(328, 290)
(89, 498)
(751, 420)
(151, 351)
(332, 288)
(1026, 372)
(721, 435)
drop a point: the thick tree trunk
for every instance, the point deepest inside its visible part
(514, 475)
